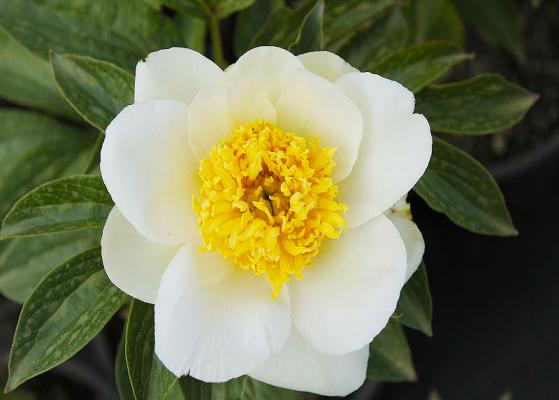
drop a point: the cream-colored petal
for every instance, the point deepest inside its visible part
(215, 321)
(133, 263)
(310, 106)
(269, 66)
(218, 110)
(150, 172)
(175, 74)
(300, 367)
(395, 149)
(328, 65)
(352, 289)
(400, 215)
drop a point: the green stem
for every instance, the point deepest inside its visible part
(215, 36)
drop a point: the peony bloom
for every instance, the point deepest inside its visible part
(262, 210)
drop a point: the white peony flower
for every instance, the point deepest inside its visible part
(254, 209)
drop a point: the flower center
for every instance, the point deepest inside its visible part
(267, 201)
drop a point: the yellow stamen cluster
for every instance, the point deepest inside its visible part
(267, 201)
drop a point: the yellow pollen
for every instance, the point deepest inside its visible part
(267, 201)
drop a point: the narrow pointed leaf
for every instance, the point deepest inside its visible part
(390, 356)
(484, 104)
(460, 187)
(98, 90)
(68, 308)
(418, 65)
(149, 379)
(344, 18)
(387, 35)
(415, 306)
(25, 261)
(122, 379)
(247, 19)
(64, 204)
(224, 8)
(310, 32)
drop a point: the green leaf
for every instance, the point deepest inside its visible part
(195, 389)
(207, 8)
(35, 148)
(344, 18)
(68, 308)
(224, 8)
(283, 27)
(390, 357)
(484, 104)
(418, 65)
(65, 204)
(435, 20)
(243, 388)
(40, 28)
(149, 379)
(97, 90)
(24, 261)
(253, 16)
(26, 79)
(255, 390)
(121, 32)
(19, 394)
(122, 379)
(500, 21)
(310, 32)
(458, 186)
(388, 34)
(415, 307)
(195, 8)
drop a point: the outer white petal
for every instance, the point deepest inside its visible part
(268, 65)
(150, 171)
(133, 263)
(328, 65)
(395, 149)
(309, 105)
(176, 74)
(300, 367)
(216, 321)
(217, 110)
(351, 291)
(400, 215)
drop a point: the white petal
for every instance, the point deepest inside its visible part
(400, 215)
(150, 171)
(268, 65)
(395, 149)
(309, 106)
(175, 74)
(300, 367)
(216, 321)
(351, 291)
(328, 65)
(133, 263)
(217, 110)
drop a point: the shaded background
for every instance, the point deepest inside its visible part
(495, 300)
